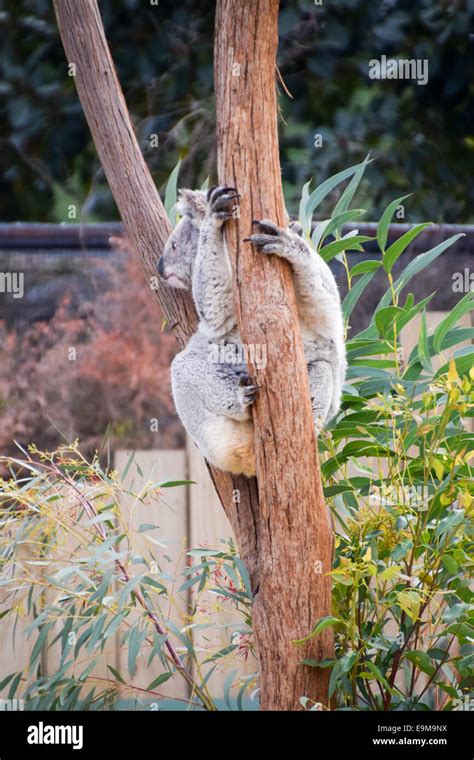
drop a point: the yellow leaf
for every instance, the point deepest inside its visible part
(390, 573)
(409, 601)
(426, 578)
(452, 373)
(454, 395)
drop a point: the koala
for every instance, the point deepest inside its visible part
(214, 398)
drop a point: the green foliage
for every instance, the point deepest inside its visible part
(71, 563)
(422, 135)
(397, 472)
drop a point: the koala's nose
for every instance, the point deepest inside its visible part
(161, 267)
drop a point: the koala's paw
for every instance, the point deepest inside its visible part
(243, 391)
(271, 238)
(221, 202)
(295, 226)
(246, 392)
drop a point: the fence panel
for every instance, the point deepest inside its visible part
(208, 526)
(166, 546)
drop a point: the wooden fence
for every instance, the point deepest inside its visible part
(188, 517)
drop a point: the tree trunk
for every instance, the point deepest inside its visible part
(295, 541)
(143, 214)
(287, 549)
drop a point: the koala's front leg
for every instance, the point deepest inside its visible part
(212, 276)
(320, 315)
(315, 285)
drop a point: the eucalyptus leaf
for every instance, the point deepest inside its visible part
(171, 194)
(385, 219)
(398, 247)
(465, 305)
(318, 195)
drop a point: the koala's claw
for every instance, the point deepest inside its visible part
(261, 240)
(245, 379)
(220, 201)
(220, 190)
(268, 227)
(249, 394)
(268, 243)
(271, 239)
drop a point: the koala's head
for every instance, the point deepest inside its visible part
(176, 264)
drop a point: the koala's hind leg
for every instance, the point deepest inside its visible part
(200, 384)
(213, 401)
(321, 388)
(231, 391)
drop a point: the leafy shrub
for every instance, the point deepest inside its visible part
(69, 560)
(396, 470)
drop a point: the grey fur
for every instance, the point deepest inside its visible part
(214, 398)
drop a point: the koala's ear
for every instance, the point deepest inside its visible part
(192, 203)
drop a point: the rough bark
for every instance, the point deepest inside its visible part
(295, 541)
(143, 214)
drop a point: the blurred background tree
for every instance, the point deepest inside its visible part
(422, 136)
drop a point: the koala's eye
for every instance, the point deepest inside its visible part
(173, 245)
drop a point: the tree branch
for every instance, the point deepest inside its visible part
(142, 211)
